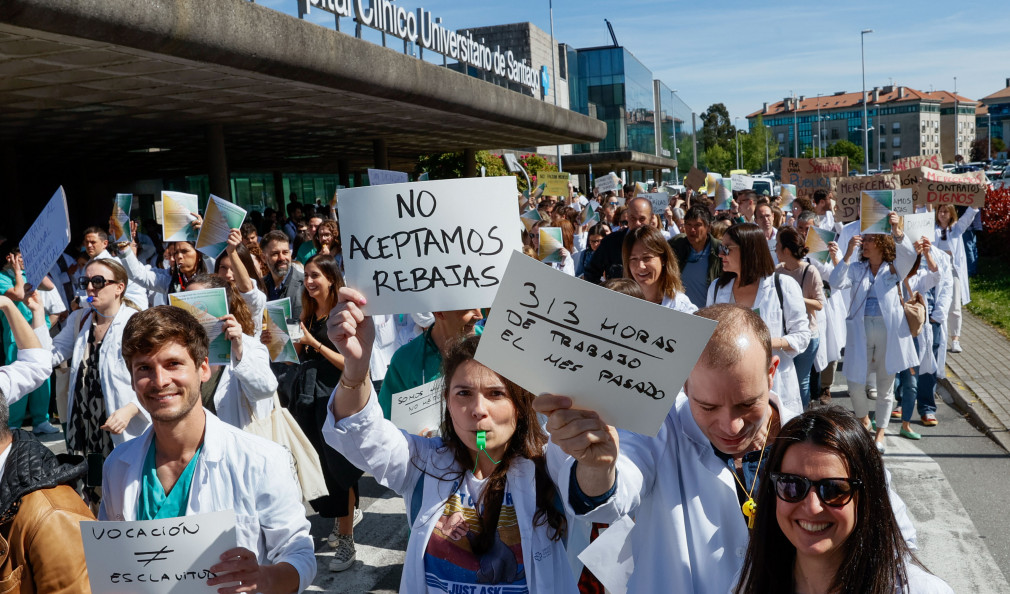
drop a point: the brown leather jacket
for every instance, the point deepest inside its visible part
(40, 536)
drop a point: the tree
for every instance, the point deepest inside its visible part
(845, 148)
(716, 127)
(719, 160)
(754, 144)
(451, 165)
(980, 148)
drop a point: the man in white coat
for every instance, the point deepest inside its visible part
(687, 487)
(190, 462)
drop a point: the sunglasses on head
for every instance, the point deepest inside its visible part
(98, 281)
(833, 492)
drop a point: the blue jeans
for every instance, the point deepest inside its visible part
(907, 391)
(971, 249)
(803, 363)
(926, 392)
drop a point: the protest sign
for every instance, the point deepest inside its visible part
(695, 179)
(917, 226)
(712, 182)
(624, 357)
(590, 216)
(208, 306)
(723, 194)
(178, 211)
(901, 201)
(46, 239)
(120, 222)
(293, 324)
(931, 161)
(418, 409)
(550, 245)
(932, 186)
(875, 212)
(530, 218)
(809, 175)
(742, 182)
(170, 556)
(219, 219)
(419, 247)
(817, 243)
(847, 191)
(279, 344)
(788, 194)
(607, 183)
(660, 200)
(556, 182)
(159, 216)
(379, 177)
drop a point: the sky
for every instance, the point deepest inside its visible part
(742, 53)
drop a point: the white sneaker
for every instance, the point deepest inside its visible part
(343, 556)
(955, 346)
(45, 428)
(332, 539)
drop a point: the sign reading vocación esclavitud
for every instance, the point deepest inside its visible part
(424, 29)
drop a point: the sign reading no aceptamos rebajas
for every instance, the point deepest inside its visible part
(623, 357)
(170, 556)
(46, 239)
(429, 246)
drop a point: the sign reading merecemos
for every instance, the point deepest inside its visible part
(847, 191)
(420, 246)
(931, 161)
(809, 175)
(934, 186)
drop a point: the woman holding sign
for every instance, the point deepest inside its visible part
(480, 499)
(650, 262)
(184, 260)
(237, 267)
(948, 237)
(749, 279)
(790, 250)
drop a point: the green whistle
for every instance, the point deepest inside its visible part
(481, 440)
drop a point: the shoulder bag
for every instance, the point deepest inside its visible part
(281, 428)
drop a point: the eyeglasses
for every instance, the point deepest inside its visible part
(614, 203)
(98, 281)
(624, 223)
(833, 492)
(724, 250)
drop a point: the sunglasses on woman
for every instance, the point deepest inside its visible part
(833, 492)
(98, 281)
(724, 250)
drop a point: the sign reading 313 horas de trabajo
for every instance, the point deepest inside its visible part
(422, 28)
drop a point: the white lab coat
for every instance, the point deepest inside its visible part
(411, 465)
(247, 385)
(117, 385)
(786, 383)
(956, 244)
(384, 345)
(855, 277)
(943, 281)
(689, 534)
(31, 370)
(679, 302)
(157, 280)
(235, 471)
(257, 302)
(831, 319)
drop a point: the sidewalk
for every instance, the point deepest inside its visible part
(979, 378)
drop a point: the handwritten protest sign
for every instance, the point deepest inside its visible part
(931, 161)
(901, 202)
(556, 182)
(419, 247)
(742, 182)
(809, 175)
(418, 409)
(695, 178)
(279, 344)
(120, 222)
(875, 210)
(917, 226)
(208, 306)
(379, 177)
(932, 186)
(607, 183)
(623, 357)
(171, 556)
(178, 211)
(550, 245)
(660, 200)
(219, 219)
(46, 239)
(817, 243)
(847, 191)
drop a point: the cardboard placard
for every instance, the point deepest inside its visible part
(556, 182)
(931, 161)
(219, 219)
(932, 186)
(917, 226)
(742, 182)
(418, 409)
(157, 556)
(419, 247)
(379, 177)
(847, 191)
(809, 175)
(695, 179)
(208, 306)
(624, 357)
(660, 200)
(875, 212)
(817, 243)
(46, 239)
(550, 245)
(607, 183)
(178, 212)
(120, 222)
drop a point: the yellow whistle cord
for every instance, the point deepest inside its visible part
(749, 507)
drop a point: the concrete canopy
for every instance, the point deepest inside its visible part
(88, 85)
(616, 160)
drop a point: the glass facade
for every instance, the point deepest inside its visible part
(611, 85)
(255, 191)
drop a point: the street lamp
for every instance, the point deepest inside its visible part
(737, 138)
(554, 79)
(862, 55)
(988, 132)
(820, 150)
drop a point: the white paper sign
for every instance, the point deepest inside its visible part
(742, 182)
(607, 183)
(919, 225)
(157, 556)
(379, 177)
(219, 219)
(429, 246)
(903, 201)
(623, 357)
(46, 239)
(419, 408)
(660, 200)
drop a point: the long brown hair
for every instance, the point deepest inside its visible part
(236, 304)
(654, 242)
(528, 441)
(755, 259)
(328, 266)
(334, 231)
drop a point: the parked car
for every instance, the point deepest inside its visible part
(1004, 181)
